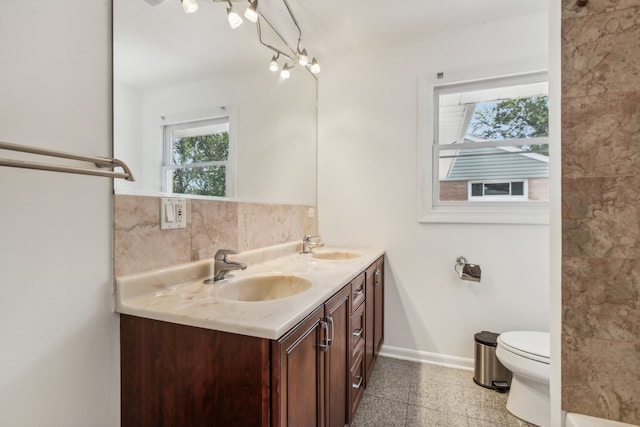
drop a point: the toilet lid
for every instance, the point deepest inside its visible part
(530, 344)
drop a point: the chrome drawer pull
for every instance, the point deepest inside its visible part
(324, 327)
(358, 384)
(357, 332)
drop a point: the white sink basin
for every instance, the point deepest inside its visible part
(335, 255)
(263, 288)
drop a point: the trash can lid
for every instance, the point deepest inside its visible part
(487, 338)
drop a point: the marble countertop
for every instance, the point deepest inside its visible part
(177, 294)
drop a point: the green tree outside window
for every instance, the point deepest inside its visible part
(207, 180)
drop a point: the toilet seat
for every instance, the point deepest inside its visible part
(530, 344)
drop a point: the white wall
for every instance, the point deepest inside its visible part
(127, 112)
(59, 337)
(368, 120)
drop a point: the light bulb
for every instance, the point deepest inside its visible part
(315, 67)
(234, 19)
(189, 6)
(285, 73)
(303, 59)
(274, 64)
(251, 14)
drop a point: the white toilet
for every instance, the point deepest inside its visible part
(526, 355)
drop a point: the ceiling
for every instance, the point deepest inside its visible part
(158, 45)
(332, 26)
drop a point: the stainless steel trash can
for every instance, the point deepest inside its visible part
(488, 371)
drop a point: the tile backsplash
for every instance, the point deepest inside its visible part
(140, 244)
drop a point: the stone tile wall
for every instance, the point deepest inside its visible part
(140, 245)
(601, 209)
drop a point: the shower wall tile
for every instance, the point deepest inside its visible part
(600, 217)
(571, 10)
(600, 52)
(601, 209)
(601, 298)
(605, 131)
(140, 245)
(601, 378)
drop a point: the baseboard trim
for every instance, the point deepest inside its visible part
(427, 357)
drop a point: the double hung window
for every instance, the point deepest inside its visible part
(197, 158)
(490, 153)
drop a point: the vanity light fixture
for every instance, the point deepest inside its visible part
(234, 19)
(285, 73)
(273, 66)
(252, 13)
(189, 6)
(303, 58)
(298, 56)
(315, 67)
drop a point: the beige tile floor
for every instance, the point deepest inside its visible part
(403, 393)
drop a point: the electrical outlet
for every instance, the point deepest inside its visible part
(173, 213)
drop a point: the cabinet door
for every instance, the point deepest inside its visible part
(378, 310)
(338, 358)
(374, 313)
(369, 344)
(177, 375)
(298, 374)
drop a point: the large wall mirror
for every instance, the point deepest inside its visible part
(197, 111)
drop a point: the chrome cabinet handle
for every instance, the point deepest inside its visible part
(358, 384)
(357, 332)
(325, 328)
(376, 275)
(330, 337)
(358, 292)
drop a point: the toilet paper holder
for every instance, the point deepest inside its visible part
(467, 271)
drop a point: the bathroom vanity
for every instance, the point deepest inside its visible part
(191, 357)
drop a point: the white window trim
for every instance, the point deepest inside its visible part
(231, 163)
(430, 210)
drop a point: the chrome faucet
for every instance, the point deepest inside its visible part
(222, 266)
(308, 243)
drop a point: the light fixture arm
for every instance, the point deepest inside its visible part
(295, 22)
(296, 51)
(267, 45)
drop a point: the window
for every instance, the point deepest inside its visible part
(490, 145)
(197, 158)
(497, 190)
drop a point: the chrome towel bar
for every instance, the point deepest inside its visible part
(100, 162)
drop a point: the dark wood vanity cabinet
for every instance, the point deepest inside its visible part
(358, 324)
(310, 369)
(374, 313)
(298, 374)
(177, 375)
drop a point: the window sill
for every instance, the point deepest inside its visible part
(496, 214)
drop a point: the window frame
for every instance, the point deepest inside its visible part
(430, 208)
(185, 122)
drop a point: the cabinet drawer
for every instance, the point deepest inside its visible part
(357, 292)
(357, 328)
(357, 378)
